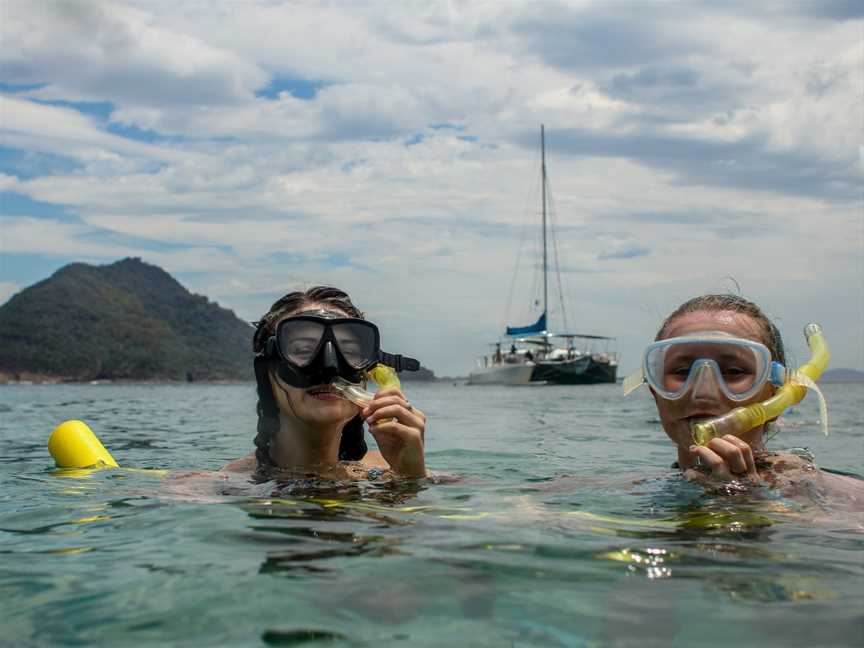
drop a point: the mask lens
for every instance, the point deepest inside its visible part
(741, 369)
(740, 366)
(357, 343)
(299, 340)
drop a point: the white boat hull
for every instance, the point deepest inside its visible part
(515, 374)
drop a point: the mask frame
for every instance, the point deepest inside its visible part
(327, 360)
(764, 368)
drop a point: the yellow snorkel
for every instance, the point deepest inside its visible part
(381, 374)
(792, 392)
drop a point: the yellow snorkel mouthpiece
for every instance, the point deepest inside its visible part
(383, 376)
(792, 392)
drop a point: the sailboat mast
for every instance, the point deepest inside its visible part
(543, 182)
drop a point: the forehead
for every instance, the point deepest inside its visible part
(314, 309)
(739, 325)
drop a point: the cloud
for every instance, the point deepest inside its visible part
(841, 10)
(571, 38)
(398, 158)
(631, 251)
(746, 163)
(653, 77)
(117, 51)
(68, 142)
(17, 204)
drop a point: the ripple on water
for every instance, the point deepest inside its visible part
(563, 526)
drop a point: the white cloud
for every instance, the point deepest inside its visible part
(726, 149)
(112, 51)
(35, 127)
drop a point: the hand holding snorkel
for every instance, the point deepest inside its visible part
(398, 427)
(320, 347)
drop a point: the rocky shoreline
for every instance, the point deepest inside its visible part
(29, 378)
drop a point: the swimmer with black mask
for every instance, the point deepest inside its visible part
(305, 425)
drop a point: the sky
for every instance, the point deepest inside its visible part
(392, 149)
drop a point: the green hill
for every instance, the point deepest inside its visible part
(127, 320)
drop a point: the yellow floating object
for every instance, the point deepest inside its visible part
(73, 445)
(743, 419)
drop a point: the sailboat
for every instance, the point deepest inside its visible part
(554, 358)
(503, 368)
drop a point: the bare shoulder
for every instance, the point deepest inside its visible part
(245, 464)
(781, 462)
(799, 477)
(846, 487)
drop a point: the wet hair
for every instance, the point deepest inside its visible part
(352, 445)
(733, 303)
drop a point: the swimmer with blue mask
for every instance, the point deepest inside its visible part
(308, 347)
(717, 373)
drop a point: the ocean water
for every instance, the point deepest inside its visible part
(563, 526)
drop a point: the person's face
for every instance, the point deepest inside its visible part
(318, 405)
(706, 399)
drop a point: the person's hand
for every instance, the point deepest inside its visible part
(726, 459)
(399, 429)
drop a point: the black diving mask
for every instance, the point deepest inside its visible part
(314, 348)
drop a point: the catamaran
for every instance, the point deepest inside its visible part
(561, 358)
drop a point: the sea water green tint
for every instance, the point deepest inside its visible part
(564, 527)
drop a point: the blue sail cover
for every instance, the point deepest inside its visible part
(537, 327)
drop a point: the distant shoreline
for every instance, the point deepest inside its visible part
(120, 381)
(842, 374)
(27, 378)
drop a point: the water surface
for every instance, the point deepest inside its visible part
(567, 528)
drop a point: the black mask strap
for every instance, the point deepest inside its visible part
(398, 362)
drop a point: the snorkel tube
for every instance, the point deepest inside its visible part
(384, 376)
(792, 392)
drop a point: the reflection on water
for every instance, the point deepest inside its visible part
(555, 532)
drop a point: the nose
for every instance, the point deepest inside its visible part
(705, 385)
(330, 361)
